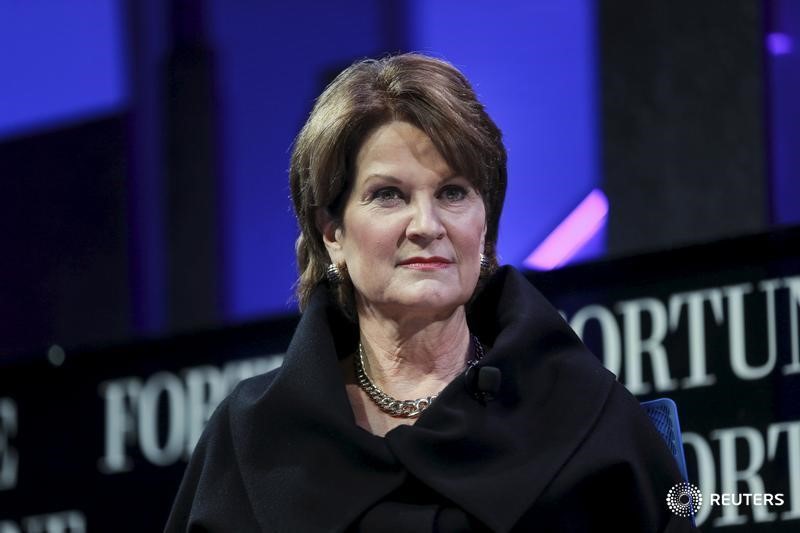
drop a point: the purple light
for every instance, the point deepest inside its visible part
(572, 234)
(779, 44)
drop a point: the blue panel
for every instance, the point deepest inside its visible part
(146, 169)
(272, 58)
(61, 61)
(784, 82)
(532, 64)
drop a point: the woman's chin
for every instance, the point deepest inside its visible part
(423, 298)
(430, 302)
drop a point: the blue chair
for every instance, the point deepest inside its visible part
(664, 414)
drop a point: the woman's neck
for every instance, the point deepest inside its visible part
(414, 357)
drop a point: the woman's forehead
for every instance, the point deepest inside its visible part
(397, 149)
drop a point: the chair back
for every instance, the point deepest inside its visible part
(664, 414)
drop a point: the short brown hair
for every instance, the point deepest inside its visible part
(427, 92)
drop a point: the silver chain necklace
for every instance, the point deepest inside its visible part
(393, 406)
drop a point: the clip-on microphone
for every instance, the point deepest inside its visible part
(483, 382)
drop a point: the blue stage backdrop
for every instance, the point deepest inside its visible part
(532, 64)
(62, 62)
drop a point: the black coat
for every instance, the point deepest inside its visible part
(563, 447)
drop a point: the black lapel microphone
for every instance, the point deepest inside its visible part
(482, 382)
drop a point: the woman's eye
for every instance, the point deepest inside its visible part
(453, 193)
(387, 194)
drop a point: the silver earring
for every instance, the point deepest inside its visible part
(486, 266)
(334, 274)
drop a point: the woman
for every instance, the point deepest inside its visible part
(424, 389)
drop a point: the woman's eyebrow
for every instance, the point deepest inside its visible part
(394, 179)
(385, 177)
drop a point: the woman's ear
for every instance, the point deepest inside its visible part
(331, 231)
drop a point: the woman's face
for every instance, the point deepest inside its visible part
(412, 231)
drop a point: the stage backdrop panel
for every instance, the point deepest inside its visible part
(97, 439)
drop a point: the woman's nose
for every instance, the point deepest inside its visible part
(425, 222)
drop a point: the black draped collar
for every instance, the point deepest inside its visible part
(307, 466)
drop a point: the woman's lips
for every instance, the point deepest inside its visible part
(426, 263)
